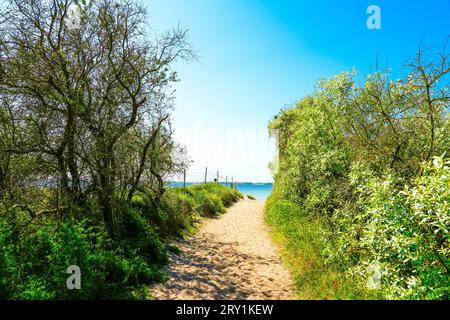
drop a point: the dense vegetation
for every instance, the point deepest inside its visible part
(36, 252)
(86, 148)
(361, 201)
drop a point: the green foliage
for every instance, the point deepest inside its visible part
(314, 157)
(208, 204)
(141, 236)
(404, 232)
(357, 190)
(84, 156)
(33, 263)
(183, 204)
(302, 242)
(36, 252)
(227, 195)
(178, 207)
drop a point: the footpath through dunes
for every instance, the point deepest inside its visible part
(231, 257)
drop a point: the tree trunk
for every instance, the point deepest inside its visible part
(69, 144)
(106, 190)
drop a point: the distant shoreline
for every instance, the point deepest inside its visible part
(259, 190)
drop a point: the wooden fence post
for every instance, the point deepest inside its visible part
(206, 173)
(184, 178)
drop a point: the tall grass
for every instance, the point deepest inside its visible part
(301, 240)
(183, 205)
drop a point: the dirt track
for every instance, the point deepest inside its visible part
(231, 257)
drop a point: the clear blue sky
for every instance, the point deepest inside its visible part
(257, 56)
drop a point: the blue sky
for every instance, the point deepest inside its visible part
(259, 56)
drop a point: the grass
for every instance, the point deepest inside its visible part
(301, 242)
(184, 206)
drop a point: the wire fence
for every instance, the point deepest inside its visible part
(194, 176)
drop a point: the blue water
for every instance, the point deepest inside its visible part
(259, 190)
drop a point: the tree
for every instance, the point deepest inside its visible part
(87, 90)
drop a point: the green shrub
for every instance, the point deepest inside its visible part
(35, 262)
(208, 204)
(207, 199)
(139, 235)
(35, 253)
(178, 207)
(139, 200)
(348, 175)
(403, 232)
(228, 196)
(302, 242)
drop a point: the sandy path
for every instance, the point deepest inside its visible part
(231, 257)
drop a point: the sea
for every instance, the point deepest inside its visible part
(258, 190)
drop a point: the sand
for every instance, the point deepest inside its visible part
(231, 257)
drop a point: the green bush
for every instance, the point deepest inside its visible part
(178, 207)
(141, 236)
(230, 196)
(208, 199)
(35, 253)
(348, 176)
(208, 204)
(302, 242)
(227, 195)
(33, 264)
(403, 232)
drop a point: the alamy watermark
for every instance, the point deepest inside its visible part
(74, 280)
(374, 278)
(75, 11)
(374, 20)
